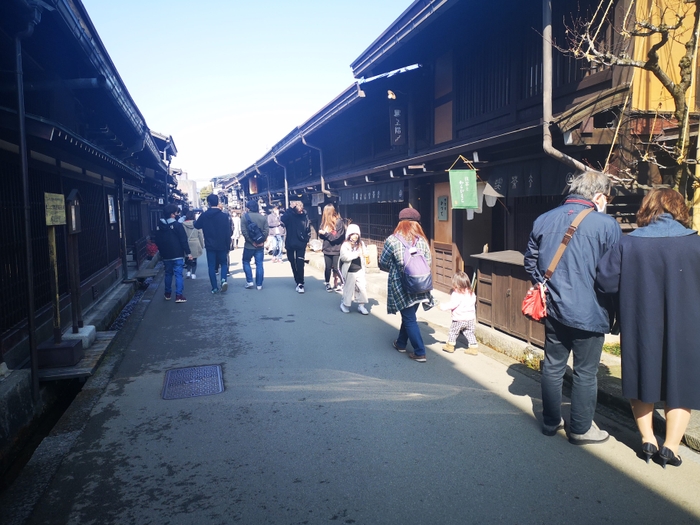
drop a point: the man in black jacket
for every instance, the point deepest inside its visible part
(298, 226)
(216, 226)
(173, 246)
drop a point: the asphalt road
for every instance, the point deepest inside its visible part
(322, 421)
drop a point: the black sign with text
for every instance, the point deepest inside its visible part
(397, 126)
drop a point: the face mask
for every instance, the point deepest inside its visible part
(600, 208)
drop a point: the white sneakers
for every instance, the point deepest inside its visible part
(346, 310)
(300, 288)
(249, 285)
(192, 276)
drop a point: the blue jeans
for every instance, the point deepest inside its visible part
(174, 267)
(248, 254)
(410, 331)
(217, 258)
(277, 251)
(560, 340)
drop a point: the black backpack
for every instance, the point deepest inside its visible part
(254, 231)
(164, 232)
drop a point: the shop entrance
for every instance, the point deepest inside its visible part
(446, 258)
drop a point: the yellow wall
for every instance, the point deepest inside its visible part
(647, 91)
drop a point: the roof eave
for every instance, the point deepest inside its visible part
(328, 112)
(420, 12)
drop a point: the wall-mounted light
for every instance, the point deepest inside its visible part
(390, 94)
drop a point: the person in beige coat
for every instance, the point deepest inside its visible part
(195, 239)
(352, 268)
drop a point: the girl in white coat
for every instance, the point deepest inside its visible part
(352, 268)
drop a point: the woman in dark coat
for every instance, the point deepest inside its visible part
(655, 269)
(333, 234)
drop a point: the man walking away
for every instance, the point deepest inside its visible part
(173, 246)
(252, 248)
(298, 229)
(576, 317)
(217, 229)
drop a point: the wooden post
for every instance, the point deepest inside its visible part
(53, 265)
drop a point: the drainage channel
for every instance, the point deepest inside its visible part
(12, 464)
(62, 393)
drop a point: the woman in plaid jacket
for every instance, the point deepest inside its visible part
(398, 299)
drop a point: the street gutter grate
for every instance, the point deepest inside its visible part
(181, 383)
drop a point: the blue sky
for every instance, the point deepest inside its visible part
(228, 79)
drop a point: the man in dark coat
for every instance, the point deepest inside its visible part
(251, 249)
(298, 227)
(217, 228)
(173, 247)
(577, 319)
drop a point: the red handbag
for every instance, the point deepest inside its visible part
(535, 303)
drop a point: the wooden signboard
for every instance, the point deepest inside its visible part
(55, 209)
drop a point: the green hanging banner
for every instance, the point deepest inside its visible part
(463, 190)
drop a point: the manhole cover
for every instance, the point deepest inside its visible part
(194, 381)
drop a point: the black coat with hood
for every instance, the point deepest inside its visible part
(217, 228)
(298, 228)
(171, 240)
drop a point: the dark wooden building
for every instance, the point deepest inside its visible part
(67, 124)
(451, 80)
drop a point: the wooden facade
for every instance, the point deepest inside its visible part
(83, 133)
(466, 80)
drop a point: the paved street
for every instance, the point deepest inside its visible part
(323, 421)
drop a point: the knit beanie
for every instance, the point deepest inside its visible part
(353, 228)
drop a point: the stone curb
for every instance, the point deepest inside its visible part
(20, 499)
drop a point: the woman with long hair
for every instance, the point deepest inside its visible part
(332, 232)
(407, 233)
(654, 270)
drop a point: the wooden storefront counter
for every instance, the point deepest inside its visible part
(501, 286)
